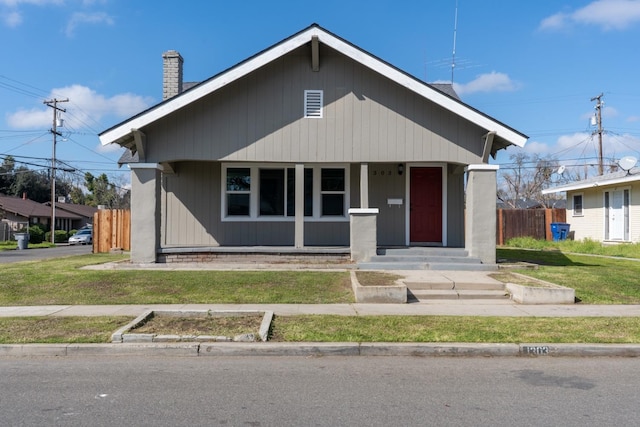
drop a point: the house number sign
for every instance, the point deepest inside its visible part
(536, 350)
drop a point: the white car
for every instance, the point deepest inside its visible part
(82, 237)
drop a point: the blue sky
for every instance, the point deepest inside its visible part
(532, 65)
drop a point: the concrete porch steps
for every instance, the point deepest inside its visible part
(425, 258)
(424, 296)
(454, 286)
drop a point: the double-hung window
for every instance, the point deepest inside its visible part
(577, 204)
(269, 193)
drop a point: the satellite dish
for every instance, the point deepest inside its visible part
(561, 169)
(627, 163)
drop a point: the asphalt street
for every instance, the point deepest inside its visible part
(321, 391)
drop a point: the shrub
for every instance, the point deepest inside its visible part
(61, 236)
(36, 234)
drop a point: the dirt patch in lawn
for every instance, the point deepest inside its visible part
(203, 325)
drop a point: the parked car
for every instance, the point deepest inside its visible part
(82, 237)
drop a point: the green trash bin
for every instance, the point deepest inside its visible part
(23, 240)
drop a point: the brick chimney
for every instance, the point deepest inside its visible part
(171, 74)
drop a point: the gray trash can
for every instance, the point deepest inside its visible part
(23, 240)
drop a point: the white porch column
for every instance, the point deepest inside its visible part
(364, 185)
(299, 208)
(145, 211)
(480, 219)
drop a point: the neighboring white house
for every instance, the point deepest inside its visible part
(604, 208)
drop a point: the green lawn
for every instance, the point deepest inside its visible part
(596, 279)
(61, 281)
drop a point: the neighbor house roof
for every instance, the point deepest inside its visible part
(29, 209)
(620, 177)
(122, 133)
(82, 210)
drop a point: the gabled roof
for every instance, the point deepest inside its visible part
(620, 177)
(82, 210)
(123, 133)
(29, 209)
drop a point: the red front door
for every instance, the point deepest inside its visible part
(426, 205)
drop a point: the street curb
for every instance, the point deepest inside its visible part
(195, 349)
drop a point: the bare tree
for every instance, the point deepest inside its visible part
(525, 178)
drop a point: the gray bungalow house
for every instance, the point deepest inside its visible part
(312, 142)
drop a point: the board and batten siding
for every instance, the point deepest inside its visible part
(191, 214)
(366, 118)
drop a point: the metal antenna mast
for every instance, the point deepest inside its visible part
(455, 30)
(53, 103)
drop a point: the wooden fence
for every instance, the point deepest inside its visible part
(111, 230)
(535, 223)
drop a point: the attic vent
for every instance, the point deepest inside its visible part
(313, 104)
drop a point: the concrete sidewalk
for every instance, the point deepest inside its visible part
(443, 308)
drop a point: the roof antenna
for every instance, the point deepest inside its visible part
(455, 29)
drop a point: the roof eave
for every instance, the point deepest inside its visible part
(592, 184)
(122, 133)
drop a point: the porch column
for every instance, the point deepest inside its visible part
(145, 211)
(299, 208)
(362, 233)
(364, 185)
(480, 218)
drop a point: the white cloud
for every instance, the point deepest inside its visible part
(491, 82)
(12, 19)
(86, 108)
(607, 14)
(80, 18)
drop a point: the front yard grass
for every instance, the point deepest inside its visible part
(332, 328)
(596, 279)
(61, 281)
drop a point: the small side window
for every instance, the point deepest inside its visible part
(577, 205)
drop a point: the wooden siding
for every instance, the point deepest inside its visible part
(191, 215)
(385, 183)
(455, 207)
(366, 118)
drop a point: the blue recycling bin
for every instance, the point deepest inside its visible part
(560, 230)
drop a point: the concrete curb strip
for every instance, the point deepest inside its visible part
(321, 349)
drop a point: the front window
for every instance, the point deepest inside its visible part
(272, 194)
(238, 191)
(332, 192)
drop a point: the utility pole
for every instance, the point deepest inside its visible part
(53, 103)
(599, 104)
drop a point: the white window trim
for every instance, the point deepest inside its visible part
(254, 198)
(573, 206)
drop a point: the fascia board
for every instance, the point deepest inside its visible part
(592, 184)
(423, 89)
(287, 46)
(205, 89)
